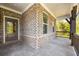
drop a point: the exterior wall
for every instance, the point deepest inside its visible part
(44, 38)
(1, 27)
(32, 26)
(28, 26)
(5, 12)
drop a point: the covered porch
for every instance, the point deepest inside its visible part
(31, 26)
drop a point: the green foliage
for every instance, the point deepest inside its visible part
(77, 25)
(63, 27)
(9, 28)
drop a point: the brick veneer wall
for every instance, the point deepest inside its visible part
(44, 38)
(32, 26)
(28, 26)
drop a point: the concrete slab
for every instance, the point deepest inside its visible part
(56, 47)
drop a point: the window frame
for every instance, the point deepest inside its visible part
(45, 23)
(4, 16)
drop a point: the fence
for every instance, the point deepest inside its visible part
(62, 34)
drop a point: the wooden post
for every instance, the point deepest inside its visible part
(72, 23)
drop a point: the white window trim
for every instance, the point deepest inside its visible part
(4, 39)
(45, 23)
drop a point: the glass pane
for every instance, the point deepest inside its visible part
(45, 18)
(9, 28)
(44, 29)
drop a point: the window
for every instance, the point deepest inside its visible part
(9, 28)
(53, 29)
(44, 28)
(45, 19)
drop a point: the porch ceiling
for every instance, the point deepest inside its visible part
(58, 9)
(16, 6)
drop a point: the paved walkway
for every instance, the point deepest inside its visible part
(57, 47)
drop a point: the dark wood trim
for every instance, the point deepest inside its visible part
(67, 20)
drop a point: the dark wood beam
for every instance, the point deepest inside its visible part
(67, 20)
(73, 23)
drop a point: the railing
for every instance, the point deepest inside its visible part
(62, 34)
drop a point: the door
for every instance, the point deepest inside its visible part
(11, 29)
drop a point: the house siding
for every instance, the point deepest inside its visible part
(5, 12)
(32, 26)
(44, 38)
(28, 27)
(1, 26)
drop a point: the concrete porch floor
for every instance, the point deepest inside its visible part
(57, 47)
